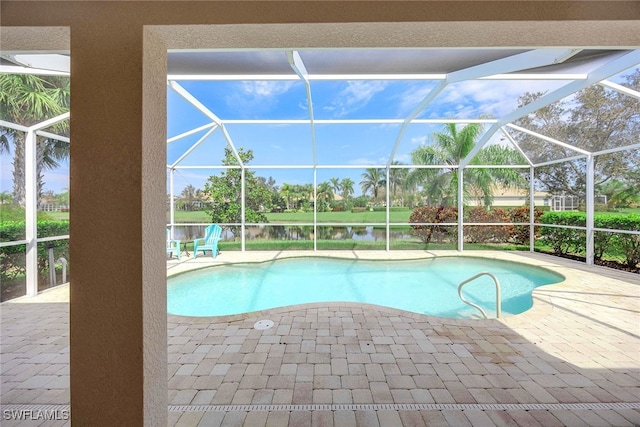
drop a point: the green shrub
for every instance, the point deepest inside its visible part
(628, 244)
(564, 241)
(361, 202)
(391, 209)
(12, 258)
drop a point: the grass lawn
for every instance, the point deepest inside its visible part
(54, 216)
(627, 211)
(333, 217)
(307, 217)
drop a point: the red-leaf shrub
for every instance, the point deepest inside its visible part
(435, 215)
(521, 232)
(487, 233)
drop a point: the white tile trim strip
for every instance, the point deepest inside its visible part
(405, 407)
(367, 407)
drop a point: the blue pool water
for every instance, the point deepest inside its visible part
(423, 286)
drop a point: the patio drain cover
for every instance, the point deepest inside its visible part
(263, 324)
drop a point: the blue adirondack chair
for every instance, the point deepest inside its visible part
(212, 235)
(173, 245)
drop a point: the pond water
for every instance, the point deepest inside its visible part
(279, 232)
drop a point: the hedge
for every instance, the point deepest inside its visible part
(507, 233)
(565, 241)
(12, 258)
(391, 209)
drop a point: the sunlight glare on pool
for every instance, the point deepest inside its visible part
(428, 286)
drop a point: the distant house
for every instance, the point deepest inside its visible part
(513, 196)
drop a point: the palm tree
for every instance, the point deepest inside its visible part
(307, 189)
(397, 177)
(188, 197)
(324, 194)
(27, 100)
(285, 191)
(347, 187)
(335, 184)
(451, 146)
(373, 179)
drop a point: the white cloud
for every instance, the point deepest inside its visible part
(263, 89)
(419, 140)
(359, 92)
(257, 96)
(362, 161)
(403, 158)
(469, 99)
(411, 98)
(354, 96)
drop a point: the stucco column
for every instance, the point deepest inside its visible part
(117, 179)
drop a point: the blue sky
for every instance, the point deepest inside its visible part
(336, 144)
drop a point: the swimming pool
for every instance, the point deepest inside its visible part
(427, 286)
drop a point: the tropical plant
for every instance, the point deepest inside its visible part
(347, 188)
(373, 179)
(276, 201)
(324, 195)
(450, 147)
(622, 192)
(427, 220)
(307, 192)
(397, 178)
(223, 193)
(62, 199)
(28, 100)
(335, 185)
(188, 197)
(285, 191)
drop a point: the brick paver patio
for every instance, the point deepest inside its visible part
(573, 359)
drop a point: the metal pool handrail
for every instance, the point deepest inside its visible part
(498, 297)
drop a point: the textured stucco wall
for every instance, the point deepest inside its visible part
(118, 309)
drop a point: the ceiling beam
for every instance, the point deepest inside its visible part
(364, 76)
(298, 67)
(193, 147)
(204, 110)
(620, 88)
(549, 139)
(190, 132)
(515, 145)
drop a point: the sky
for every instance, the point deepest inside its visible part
(336, 144)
